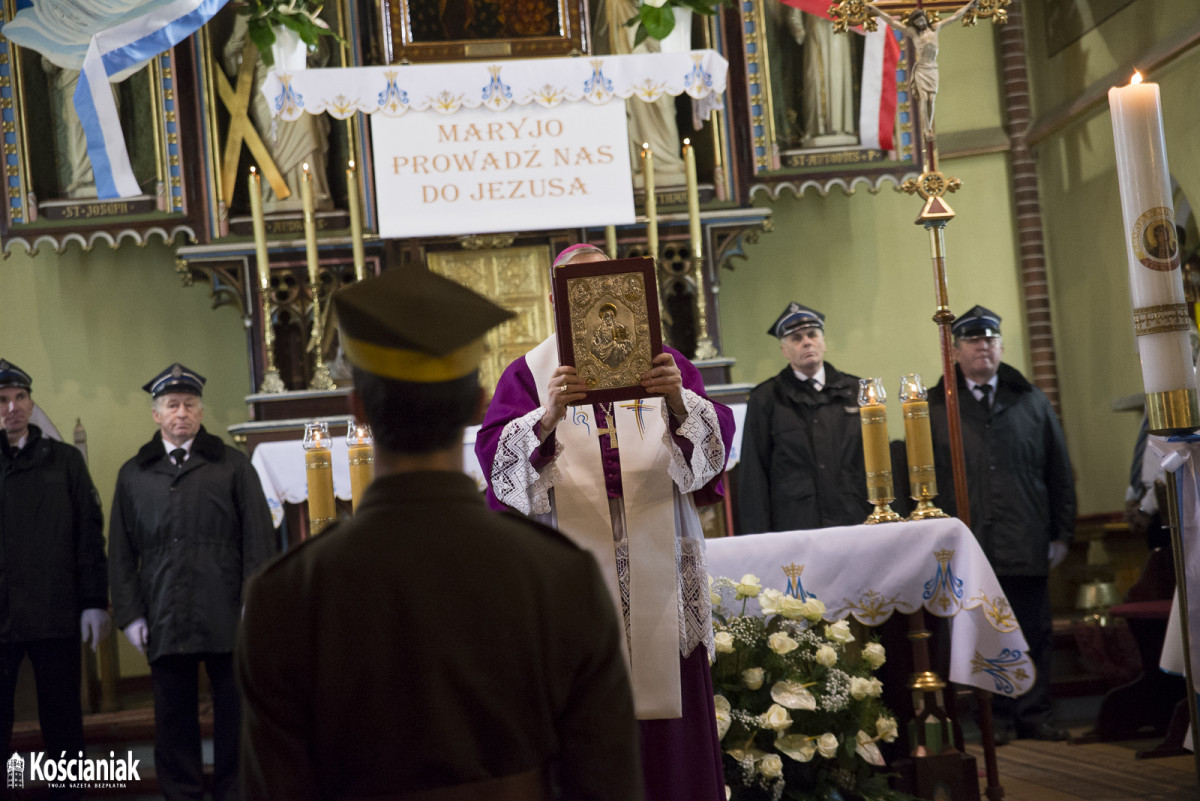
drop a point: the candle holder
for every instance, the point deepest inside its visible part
(272, 382)
(705, 349)
(871, 397)
(360, 446)
(919, 441)
(321, 377)
(318, 463)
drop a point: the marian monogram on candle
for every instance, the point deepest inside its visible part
(1154, 241)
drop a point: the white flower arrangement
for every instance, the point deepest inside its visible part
(798, 709)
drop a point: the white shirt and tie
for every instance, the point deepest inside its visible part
(179, 453)
(816, 381)
(985, 393)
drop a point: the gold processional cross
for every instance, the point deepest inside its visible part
(241, 129)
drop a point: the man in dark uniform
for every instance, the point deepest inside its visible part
(802, 456)
(430, 648)
(189, 525)
(53, 576)
(1022, 496)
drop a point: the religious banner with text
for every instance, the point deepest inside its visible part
(477, 147)
(526, 168)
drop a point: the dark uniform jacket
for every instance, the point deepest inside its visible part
(429, 642)
(1019, 481)
(182, 541)
(802, 456)
(52, 563)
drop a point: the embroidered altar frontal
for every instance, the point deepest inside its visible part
(872, 572)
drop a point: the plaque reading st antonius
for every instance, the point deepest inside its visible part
(606, 315)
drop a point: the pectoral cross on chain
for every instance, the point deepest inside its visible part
(611, 429)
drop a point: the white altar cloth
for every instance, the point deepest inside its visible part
(281, 470)
(869, 572)
(495, 85)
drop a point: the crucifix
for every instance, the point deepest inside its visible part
(611, 429)
(918, 21)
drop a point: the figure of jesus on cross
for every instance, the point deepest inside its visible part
(924, 36)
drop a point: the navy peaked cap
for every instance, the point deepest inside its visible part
(175, 378)
(13, 376)
(796, 316)
(977, 322)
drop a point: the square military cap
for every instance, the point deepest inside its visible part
(976, 322)
(796, 316)
(13, 376)
(415, 325)
(175, 378)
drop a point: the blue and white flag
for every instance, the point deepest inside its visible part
(106, 40)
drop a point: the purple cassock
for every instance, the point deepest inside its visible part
(681, 756)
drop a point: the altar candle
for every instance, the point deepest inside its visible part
(310, 225)
(319, 471)
(1160, 311)
(356, 228)
(693, 199)
(878, 459)
(917, 437)
(260, 231)
(651, 200)
(362, 459)
(610, 241)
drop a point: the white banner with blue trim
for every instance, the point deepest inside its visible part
(117, 50)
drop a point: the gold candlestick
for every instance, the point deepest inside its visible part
(319, 470)
(919, 441)
(871, 397)
(651, 201)
(360, 446)
(272, 382)
(356, 226)
(705, 349)
(321, 379)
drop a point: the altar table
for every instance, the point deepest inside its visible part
(870, 572)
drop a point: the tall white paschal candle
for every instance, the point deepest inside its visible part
(1161, 318)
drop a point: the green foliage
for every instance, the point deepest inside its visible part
(657, 21)
(301, 16)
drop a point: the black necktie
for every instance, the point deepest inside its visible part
(985, 395)
(177, 456)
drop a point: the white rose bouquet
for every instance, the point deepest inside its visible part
(798, 706)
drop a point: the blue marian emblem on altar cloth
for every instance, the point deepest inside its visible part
(1007, 669)
(697, 78)
(392, 98)
(580, 418)
(794, 587)
(288, 101)
(639, 406)
(598, 88)
(497, 93)
(944, 592)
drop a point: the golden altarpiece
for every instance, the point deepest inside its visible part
(195, 124)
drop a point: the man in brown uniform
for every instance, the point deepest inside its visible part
(430, 648)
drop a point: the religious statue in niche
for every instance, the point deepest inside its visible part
(814, 77)
(290, 145)
(52, 39)
(651, 123)
(917, 28)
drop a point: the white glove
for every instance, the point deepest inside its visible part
(94, 625)
(138, 633)
(1058, 552)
